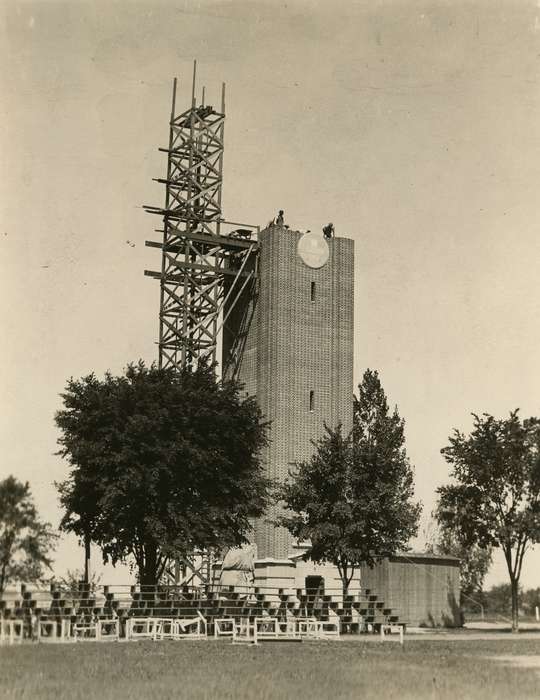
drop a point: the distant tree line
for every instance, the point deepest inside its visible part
(497, 601)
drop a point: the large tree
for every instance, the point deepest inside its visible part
(25, 541)
(495, 498)
(353, 499)
(162, 463)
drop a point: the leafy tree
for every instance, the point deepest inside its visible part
(352, 499)
(379, 441)
(474, 561)
(320, 499)
(25, 541)
(495, 500)
(162, 463)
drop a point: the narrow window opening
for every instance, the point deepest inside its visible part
(313, 291)
(311, 401)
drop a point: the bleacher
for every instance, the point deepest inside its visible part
(61, 612)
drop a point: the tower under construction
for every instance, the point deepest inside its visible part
(279, 303)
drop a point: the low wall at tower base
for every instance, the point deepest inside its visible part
(421, 589)
(291, 575)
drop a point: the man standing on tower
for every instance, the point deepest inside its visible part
(328, 230)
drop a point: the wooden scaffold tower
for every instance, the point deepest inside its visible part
(206, 262)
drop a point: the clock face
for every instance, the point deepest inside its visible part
(313, 249)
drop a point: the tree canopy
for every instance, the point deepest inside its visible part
(25, 541)
(379, 441)
(495, 498)
(162, 463)
(353, 499)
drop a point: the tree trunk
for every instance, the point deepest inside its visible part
(148, 570)
(345, 581)
(345, 587)
(86, 559)
(514, 585)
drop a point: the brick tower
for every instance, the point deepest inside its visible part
(290, 341)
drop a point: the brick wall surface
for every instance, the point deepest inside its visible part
(291, 346)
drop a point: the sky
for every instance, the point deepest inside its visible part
(413, 126)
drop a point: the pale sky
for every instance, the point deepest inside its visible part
(413, 126)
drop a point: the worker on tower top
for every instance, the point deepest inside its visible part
(328, 230)
(279, 220)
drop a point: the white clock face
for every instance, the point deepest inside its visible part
(313, 249)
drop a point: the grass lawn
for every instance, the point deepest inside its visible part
(312, 670)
